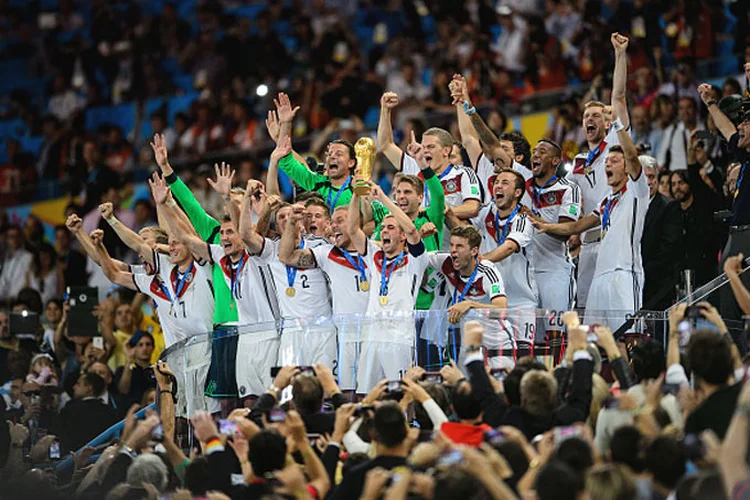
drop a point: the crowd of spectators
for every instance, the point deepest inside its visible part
(202, 72)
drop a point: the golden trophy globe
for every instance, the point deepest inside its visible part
(365, 151)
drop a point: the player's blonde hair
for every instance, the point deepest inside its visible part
(445, 139)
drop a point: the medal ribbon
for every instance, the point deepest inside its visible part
(359, 265)
(338, 195)
(538, 192)
(385, 277)
(291, 272)
(467, 286)
(506, 228)
(233, 279)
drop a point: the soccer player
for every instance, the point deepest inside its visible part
(618, 280)
(396, 272)
(588, 168)
(460, 184)
(335, 187)
(473, 285)
(317, 217)
(183, 293)
(349, 279)
(301, 291)
(553, 199)
(507, 234)
(258, 339)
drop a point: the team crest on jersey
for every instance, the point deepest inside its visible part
(451, 186)
(551, 198)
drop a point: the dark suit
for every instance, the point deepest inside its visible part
(316, 423)
(662, 233)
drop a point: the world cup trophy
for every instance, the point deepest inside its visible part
(365, 151)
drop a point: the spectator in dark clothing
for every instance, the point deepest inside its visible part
(307, 396)
(389, 432)
(137, 376)
(709, 356)
(73, 261)
(469, 429)
(92, 177)
(665, 461)
(539, 410)
(660, 244)
(86, 416)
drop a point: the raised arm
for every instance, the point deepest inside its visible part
(469, 137)
(75, 226)
(113, 274)
(508, 248)
(283, 148)
(632, 163)
(620, 79)
(223, 186)
(356, 234)
(388, 101)
(567, 228)
(252, 240)
(289, 254)
(127, 235)
(722, 122)
(274, 128)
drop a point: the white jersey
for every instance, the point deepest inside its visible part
(516, 269)
(253, 295)
(460, 184)
(560, 198)
(403, 279)
(486, 174)
(310, 297)
(625, 213)
(589, 174)
(486, 286)
(185, 302)
(344, 278)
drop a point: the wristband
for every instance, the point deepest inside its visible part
(617, 125)
(711, 103)
(213, 443)
(469, 110)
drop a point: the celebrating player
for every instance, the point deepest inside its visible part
(473, 285)
(396, 272)
(349, 279)
(553, 200)
(460, 184)
(618, 280)
(589, 169)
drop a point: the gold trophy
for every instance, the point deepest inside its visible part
(365, 151)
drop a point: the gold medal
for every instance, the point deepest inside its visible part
(290, 291)
(364, 286)
(383, 300)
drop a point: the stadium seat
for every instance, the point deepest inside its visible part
(12, 128)
(122, 115)
(31, 145)
(184, 83)
(179, 103)
(372, 115)
(149, 107)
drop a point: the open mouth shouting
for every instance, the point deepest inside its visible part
(428, 159)
(590, 130)
(536, 166)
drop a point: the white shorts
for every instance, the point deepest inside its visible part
(497, 362)
(190, 365)
(308, 346)
(556, 293)
(524, 323)
(586, 268)
(613, 297)
(382, 361)
(255, 358)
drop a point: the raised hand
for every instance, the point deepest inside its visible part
(97, 236)
(159, 145)
(223, 182)
(610, 114)
(162, 375)
(733, 264)
(619, 42)
(376, 193)
(459, 89)
(415, 150)
(389, 100)
(282, 149)
(704, 90)
(284, 108)
(159, 189)
(106, 210)
(73, 223)
(273, 125)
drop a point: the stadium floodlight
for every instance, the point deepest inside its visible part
(261, 90)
